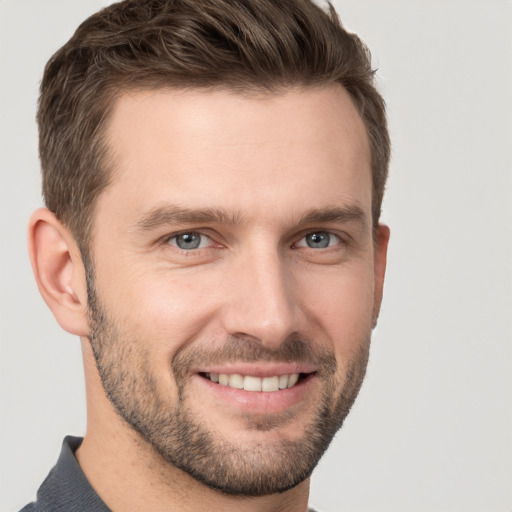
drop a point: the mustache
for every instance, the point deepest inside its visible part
(235, 349)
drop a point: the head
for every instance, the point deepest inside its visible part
(219, 168)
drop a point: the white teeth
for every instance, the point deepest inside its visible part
(236, 381)
(270, 384)
(252, 383)
(249, 383)
(294, 377)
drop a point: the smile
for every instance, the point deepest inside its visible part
(251, 383)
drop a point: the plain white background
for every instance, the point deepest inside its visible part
(431, 430)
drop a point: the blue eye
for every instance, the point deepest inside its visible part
(319, 240)
(189, 241)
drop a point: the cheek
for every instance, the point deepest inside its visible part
(170, 309)
(343, 309)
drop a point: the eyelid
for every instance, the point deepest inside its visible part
(339, 239)
(165, 240)
(173, 236)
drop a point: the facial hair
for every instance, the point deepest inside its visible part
(194, 446)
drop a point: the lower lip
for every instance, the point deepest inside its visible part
(259, 402)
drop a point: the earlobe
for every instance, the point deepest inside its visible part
(59, 271)
(381, 249)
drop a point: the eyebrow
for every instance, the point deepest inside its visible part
(171, 214)
(345, 214)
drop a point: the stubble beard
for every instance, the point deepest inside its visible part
(181, 439)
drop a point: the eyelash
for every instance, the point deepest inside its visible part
(168, 240)
(301, 243)
(326, 234)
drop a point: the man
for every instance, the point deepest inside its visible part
(213, 173)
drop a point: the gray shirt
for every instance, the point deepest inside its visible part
(66, 489)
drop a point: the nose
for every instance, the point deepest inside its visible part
(259, 299)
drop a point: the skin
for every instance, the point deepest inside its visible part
(266, 162)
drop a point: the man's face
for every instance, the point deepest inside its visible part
(234, 285)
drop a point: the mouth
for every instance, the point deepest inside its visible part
(258, 389)
(252, 383)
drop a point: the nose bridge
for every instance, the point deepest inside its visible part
(260, 299)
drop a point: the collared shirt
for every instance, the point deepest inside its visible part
(66, 489)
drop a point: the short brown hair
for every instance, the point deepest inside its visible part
(242, 45)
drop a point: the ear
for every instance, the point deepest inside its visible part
(59, 271)
(379, 266)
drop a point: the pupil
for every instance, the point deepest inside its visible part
(318, 240)
(188, 241)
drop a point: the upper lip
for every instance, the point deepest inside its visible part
(259, 369)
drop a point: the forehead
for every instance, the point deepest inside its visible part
(217, 147)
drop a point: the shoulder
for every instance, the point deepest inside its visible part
(66, 488)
